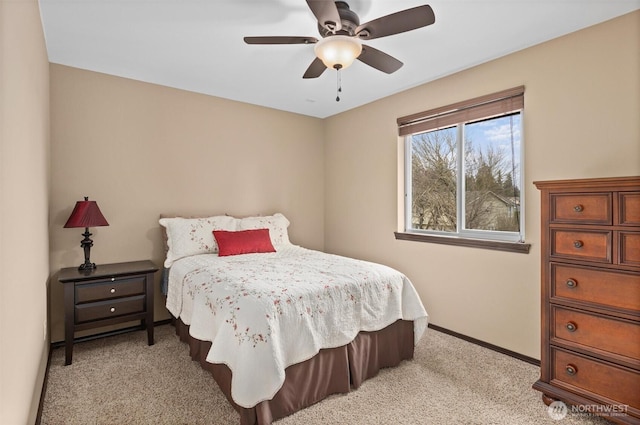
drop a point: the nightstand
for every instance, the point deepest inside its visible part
(107, 295)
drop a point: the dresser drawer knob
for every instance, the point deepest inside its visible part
(578, 208)
(571, 283)
(113, 290)
(571, 369)
(113, 279)
(112, 309)
(571, 327)
(578, 244)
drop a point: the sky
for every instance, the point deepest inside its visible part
(497, 133)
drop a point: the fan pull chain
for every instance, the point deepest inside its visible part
(339, 85)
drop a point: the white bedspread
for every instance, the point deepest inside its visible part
(264, 312)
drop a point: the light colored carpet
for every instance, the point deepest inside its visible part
(122, 380)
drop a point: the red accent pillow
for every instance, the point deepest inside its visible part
(243, 242)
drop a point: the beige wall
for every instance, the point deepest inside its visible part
(24, 246)
(582, 104)
(140, 150)
(136, 147)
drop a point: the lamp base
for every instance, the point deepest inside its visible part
(87, 267)
(86, 245)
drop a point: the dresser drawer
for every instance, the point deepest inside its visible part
(109, 308)
(600, 378)
(581, 208)
(581, 244)
(107, 289)
(629, 248)
(629, 208)
(608, 288)
(596, 331)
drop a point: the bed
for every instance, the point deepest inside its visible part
(279, 326)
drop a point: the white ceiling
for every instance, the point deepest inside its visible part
(197, 45)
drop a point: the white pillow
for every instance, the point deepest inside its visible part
(192, 236)
(277, 225)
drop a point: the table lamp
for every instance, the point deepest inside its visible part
(86, 214)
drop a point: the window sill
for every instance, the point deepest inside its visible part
(519, 247)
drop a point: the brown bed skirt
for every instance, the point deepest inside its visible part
(331, 371)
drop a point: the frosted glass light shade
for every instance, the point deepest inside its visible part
(338, 51)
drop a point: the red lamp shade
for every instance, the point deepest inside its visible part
(86, 214)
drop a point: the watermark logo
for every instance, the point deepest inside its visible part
(557, 410)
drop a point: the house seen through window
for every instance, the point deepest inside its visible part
(463, 169)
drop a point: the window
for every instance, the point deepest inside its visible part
(463, 169)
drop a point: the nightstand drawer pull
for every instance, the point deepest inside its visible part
(571, 283)
(578, 244)
(112, 290)
(113, 279)
(571, 369)
(578, 208)
(112, 309)
(571, 327)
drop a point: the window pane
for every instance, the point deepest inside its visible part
(492, 174)
(433, 180)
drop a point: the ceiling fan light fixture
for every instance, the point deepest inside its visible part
(338, 51)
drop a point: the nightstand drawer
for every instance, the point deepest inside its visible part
(581, 208)
(581, 244)
(110, 308)
(112, 288)
(600, 378)
(596, 331)
(593, 286)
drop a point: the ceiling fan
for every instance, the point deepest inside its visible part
(342, 33)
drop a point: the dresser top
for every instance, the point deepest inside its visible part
(72, 274)
(606, 183)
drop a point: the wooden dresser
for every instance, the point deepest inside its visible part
(590, 241)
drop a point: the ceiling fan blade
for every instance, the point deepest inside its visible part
(280, 40)
(395, 23)
(326, 12)
(315, 69)
(379, 60)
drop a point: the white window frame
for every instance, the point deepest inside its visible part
(460, 192)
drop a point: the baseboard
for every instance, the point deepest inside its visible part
(44, 389)
(492, 347)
